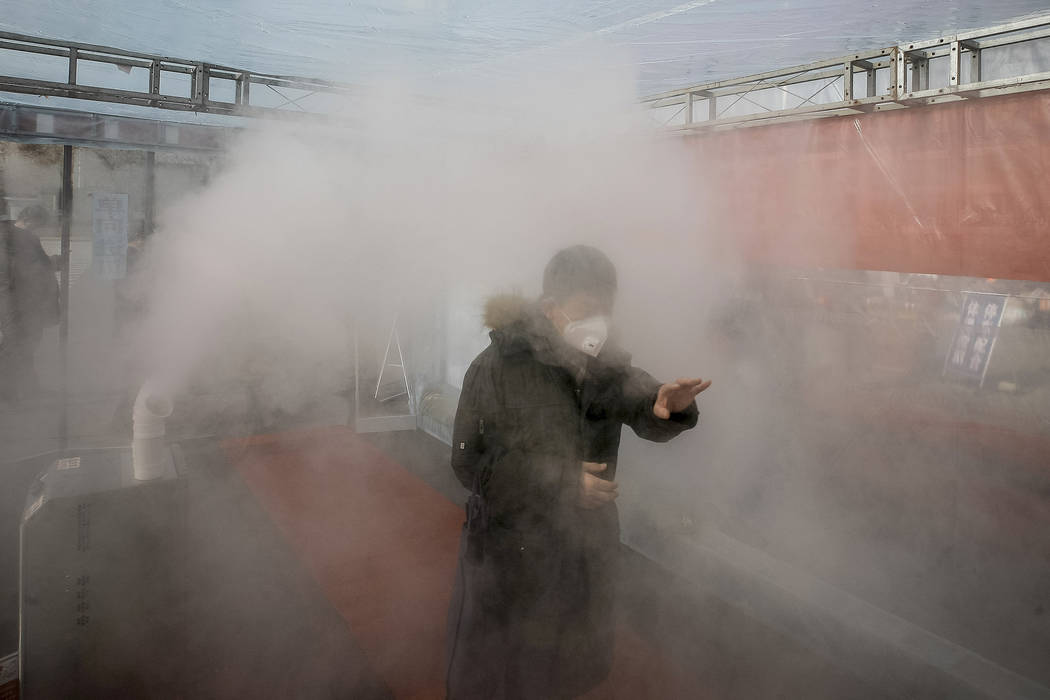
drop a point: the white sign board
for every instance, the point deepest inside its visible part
(109, 227)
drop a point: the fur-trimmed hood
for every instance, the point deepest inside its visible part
(519, 325)
(503, 310)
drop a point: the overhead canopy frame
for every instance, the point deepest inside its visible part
(895, 77)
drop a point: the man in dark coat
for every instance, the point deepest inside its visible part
(28, 301)
(536, 438)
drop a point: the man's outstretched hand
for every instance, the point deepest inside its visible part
(676, 396)
(594, 490)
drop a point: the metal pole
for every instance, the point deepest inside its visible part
(150, 198)
(953, 70)
(154, 80)
(899, 72)
(63, 323)
(975, 63)
(920, 74)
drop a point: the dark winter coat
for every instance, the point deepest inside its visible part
(531, 613)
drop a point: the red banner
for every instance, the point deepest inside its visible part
(955, 189)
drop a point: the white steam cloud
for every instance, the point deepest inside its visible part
(308, 229)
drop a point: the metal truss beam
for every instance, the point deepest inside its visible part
(198, 97)
(891, 78)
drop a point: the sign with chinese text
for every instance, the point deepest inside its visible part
(975, 336)
(109, 228)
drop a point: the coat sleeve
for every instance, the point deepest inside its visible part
(639, 390)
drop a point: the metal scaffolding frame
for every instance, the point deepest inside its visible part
(203, 79)
(891, 78)
(888, 78)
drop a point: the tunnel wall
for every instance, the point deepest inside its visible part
(954, 189)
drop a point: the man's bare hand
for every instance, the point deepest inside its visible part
(676, 396)
(594, 490)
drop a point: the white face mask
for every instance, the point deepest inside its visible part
(588, 335)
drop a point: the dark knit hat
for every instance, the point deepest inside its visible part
(581, 268)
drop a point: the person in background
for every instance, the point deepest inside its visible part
(28, 301)
(536, 438)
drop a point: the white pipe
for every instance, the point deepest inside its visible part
(148, 452)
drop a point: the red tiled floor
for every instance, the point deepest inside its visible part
(382, 544)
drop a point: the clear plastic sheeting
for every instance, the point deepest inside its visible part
(867, 477)
(667, 43)
(94, 366)
(867, 489)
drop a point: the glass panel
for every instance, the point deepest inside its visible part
(30, 378)
(109, 203)
(874, 436)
